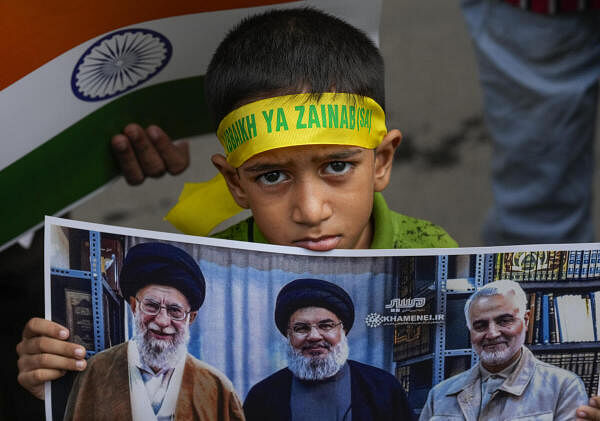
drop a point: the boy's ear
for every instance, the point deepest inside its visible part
(384, 158)
(232, 179)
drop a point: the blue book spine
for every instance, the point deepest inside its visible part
(557, 315)
(593, 310)
(584, 264)
(571, 264)
(592, 269)
(545, 320)
(577, 270)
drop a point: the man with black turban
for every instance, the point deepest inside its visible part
(152, 376)
(320, 383)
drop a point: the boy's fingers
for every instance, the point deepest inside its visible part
(148, 153)
(43, 344)
(595, 401)
(175, 156)
(149, 159)
(127, 159)
(34, 380)
(44, 355)
(37, 362)
(42, 327)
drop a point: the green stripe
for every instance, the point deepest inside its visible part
(79, 160)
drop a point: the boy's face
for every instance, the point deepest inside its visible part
(319, 197)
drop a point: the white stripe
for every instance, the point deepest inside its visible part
(41, 105)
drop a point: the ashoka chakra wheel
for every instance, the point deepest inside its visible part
(119, 62)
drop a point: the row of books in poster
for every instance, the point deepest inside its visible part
(548, 265)
(563, 318)
(584, 364)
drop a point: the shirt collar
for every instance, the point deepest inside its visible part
(383, 236)
(518, 380)
(515, 383)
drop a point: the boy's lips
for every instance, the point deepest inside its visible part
(324, 243)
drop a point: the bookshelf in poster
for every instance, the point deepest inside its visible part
(563, 298)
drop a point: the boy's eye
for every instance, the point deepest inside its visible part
(338, 167)
(273, 177)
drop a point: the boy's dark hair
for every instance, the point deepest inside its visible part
(289, 51)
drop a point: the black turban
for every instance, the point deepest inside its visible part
(162, 264)
(312, 293)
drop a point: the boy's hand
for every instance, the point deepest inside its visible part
(148, 153)
(591, 412)
(44, 355)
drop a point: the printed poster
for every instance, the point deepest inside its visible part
(408, 310)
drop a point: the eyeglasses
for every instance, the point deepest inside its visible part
(303, 329)
(152, 308)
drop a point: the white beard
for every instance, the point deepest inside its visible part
(496, 358)
(157, 353)
(318, 368)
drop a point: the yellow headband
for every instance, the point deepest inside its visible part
(279, 122)
(302, 119)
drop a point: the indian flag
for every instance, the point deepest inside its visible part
(75, 73)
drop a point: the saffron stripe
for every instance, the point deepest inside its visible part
(34, 32)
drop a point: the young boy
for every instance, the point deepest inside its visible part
(299, 97)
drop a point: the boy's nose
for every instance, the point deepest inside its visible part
(311, 204)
